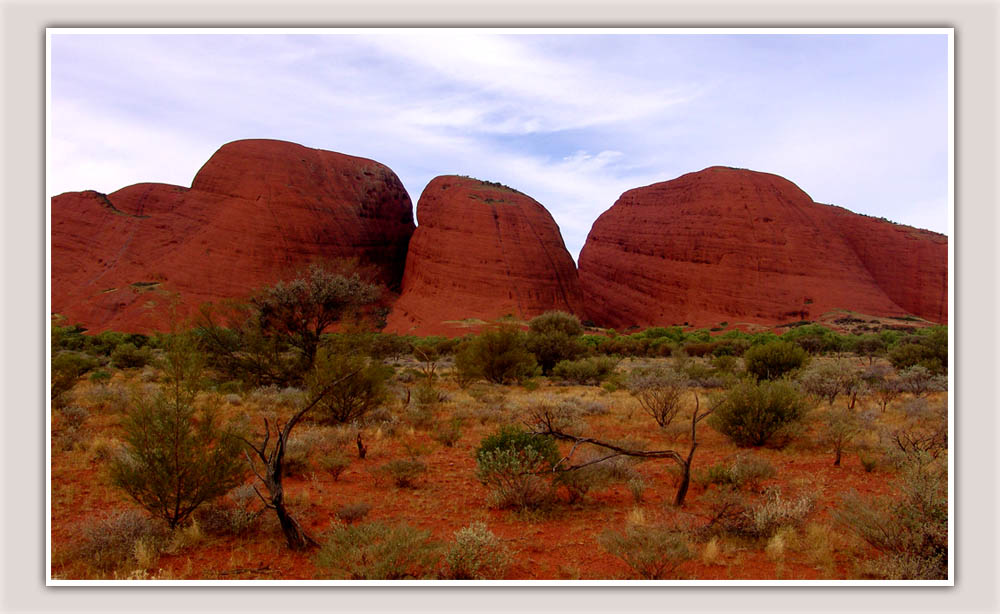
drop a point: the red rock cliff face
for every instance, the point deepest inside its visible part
(909, 264)
(257, 211)
(733, 245)
(481, 251)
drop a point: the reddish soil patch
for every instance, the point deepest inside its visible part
(558, 544)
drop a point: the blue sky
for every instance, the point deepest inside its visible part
(572, 120)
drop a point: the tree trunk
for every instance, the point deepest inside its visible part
(836, 462)
(682, 490)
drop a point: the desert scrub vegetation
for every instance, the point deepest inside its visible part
(176, 457)
(591, 370)
(120, 541)
(499, 356)
(238, 514)
(659, 392)
(909, 529)
(476, 554)
(653, 552)
(838, 430)
(759, 413)
(743, 470)
(772, 360)
(378, 551)
(511, 462)
(554, 337)
(596, 473)
(404, 472)
(361, 388)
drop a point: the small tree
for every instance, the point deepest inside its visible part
(302, 309)
(176, 457)
(659, 392)
(827, 380)
(772, 360)
(840, 427)
(361, 391)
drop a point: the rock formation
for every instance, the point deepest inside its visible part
(256, 212)
(481, 251)
(732, 245)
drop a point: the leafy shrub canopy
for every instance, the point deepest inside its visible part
(757, 413)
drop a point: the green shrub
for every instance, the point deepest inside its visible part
(658, 391)
(335, 464)
(654, 553)
(353, 512)
(499, 356)
(100, 376)
(354, 397)
(590, 370)
(743, 470)
(909, 529)
(476, 554)
(128, 356)
(758, 413)
(447, 433)
(405, 471)
(929, 351)
(554, 337)
(376, 551)
(772, 360)
(67, 368)
(509, 461)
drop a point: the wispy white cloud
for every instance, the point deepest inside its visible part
(572, 121)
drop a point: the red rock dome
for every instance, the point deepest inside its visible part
(732, 245)
(257, 211)
(481, 251)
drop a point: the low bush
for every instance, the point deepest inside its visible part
(447, 433)
(759, 413)
(405, 471)
(587, 371)
(377, 551)
(742, 470)
(772, 360)
(67, 368)
(654, 553)
(499, 356)
(909, 529)
(335, 464)
(554, 337)
(353, 512)
(128, 356)
(594, 474)
(110, 543)
(509, 463)
(239, 515)
(476, 554)
(774, 511)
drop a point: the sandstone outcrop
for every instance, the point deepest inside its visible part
(481, 251)
(256, 212)
(732, 245)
